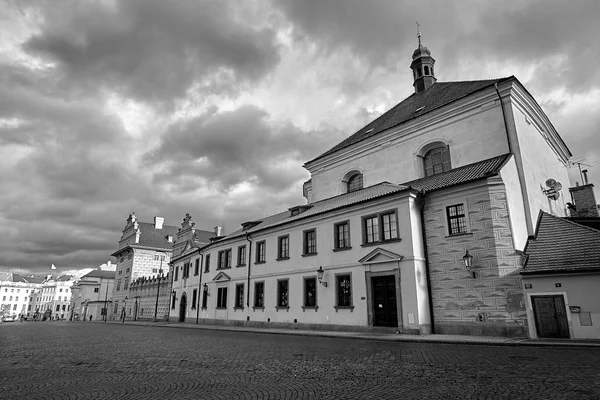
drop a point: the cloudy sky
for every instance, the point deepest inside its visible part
(211, 107)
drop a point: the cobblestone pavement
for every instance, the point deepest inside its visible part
(63, 360)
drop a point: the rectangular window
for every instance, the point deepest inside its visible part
(173, 298)
(57, 307)
(63, 307)
(96, 290)
(310, 292)
(194, 298)
(184, 270)
(118, 285)
(222, 297)
(259, 294)
(239, 295)
(224, 259)
(15, 307)
(207, 263)
(310, 242)
(204, 298)
(343, 286)
(371, 227)
(126, 284)
(197, 267)
(260, 251)
(342, 235)
(389, 225)
(283, 247)
(176, 273)
(241, 259)
(282, 293)
(457, 221)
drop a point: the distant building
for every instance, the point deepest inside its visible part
(143, 251)
(53, 299)
(16, 291)
(91, 295)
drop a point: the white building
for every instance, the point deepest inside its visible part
(15, 294)
(415, 223)
(53, 299)
(91, 295)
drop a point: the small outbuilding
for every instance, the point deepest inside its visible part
(561, 278)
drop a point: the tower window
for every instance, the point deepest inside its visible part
(419, 72)
(426, 70)
(437, 160)
(355, 182)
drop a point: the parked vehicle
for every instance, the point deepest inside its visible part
(9, 318)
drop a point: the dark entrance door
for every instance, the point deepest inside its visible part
(550, 316)
(385, 311)
(182, 307)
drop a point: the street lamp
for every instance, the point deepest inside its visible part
(320, 274)
(124, 305)
(468, 260)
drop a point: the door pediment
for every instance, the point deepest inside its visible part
(221, 277)
(380, 255)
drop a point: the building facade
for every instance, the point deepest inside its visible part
(149, 299)
(144, 250)
(16, 292)
(53, 299)
(92, 295)
(416, 223)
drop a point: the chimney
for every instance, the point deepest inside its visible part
(585, 200)
(218, 230)
(158, 222)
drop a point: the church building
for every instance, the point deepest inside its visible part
(416, 223)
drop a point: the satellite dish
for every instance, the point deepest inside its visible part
(554, 188)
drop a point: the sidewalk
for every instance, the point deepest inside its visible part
(387, 337)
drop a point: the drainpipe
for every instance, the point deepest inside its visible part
(199, 287)
(427, 275)
(249, 266)
(171, 302)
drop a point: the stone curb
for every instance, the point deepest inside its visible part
(367, 336)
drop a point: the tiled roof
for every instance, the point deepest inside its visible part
(100, 274)
(464, 174)
(415, 106)
(156, 238)
(330, 204)
(562, 245)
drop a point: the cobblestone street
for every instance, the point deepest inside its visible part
(62, 360)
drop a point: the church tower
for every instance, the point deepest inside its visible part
(422, 67)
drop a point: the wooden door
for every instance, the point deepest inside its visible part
(385, 309)
(550, 316)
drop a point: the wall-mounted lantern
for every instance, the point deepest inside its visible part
(468, 259)
(320, 274)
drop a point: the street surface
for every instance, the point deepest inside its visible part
(83, 360)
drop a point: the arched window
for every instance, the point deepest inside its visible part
(355, 182)
(437, 160)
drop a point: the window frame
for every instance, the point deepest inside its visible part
(428, 153)
(350, 182)
(207, 263)
(337, 305)
(305, 292)
(222, 298)
(194, 298)
(279, 305)
(224, 259)
(204, 299)
(240, 305)
(260, 258)
(336, 246)
(380, 228)
(241, 250)
(465, 215)
(197, 267)
(281, 246)
(255, 300)
(305, 243)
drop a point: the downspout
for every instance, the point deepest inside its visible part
(249, 266)
(171, 302)
(199, 287)
(427, 274)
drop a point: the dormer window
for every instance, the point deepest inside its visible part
(355, 182)
(437, 160)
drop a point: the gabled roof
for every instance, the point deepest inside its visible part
(157, 238)
(100, 274)
(380, 255)
(561, 245)
(326, 205)
(468, 173)
(415, 106)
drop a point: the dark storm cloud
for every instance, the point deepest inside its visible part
(152, 49)
(230, 147)
(517, 33)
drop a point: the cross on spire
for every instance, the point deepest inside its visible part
(419, 32)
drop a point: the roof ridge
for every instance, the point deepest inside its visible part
(564, 219)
